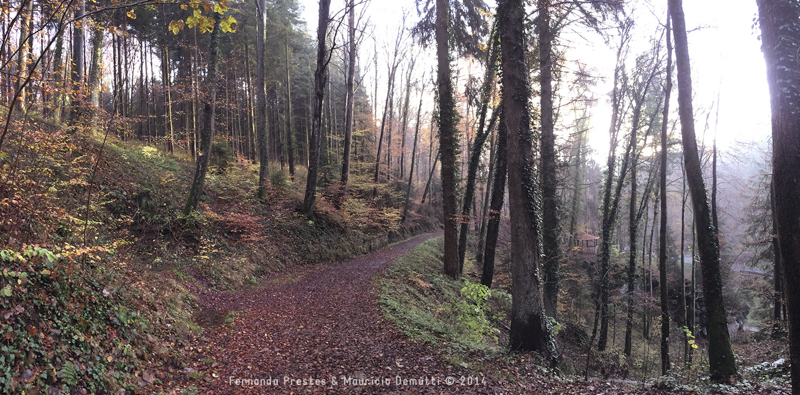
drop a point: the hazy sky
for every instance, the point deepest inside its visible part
(724, 49)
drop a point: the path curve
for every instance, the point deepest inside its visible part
(319, 323)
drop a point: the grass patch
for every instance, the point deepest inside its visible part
(290, 278)
(459, 316)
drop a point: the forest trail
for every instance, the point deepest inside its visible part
(315, 323)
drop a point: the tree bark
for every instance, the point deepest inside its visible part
(720, 355)
(413, 156)
(209, 123)
(96, 69)
(610, 205)
(530, 329)
(550, 224)
(780, 35)
(76, 77)
(289, 130)
(261, 101)
(662, 234)
(477, 146)
(320, 79)
(348, 112)
(448, 139)
(496, 205)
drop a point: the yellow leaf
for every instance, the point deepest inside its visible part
(176, 26)
(194, 3)
(206, 24)
(228, 24)
(131, 14)
(184, 6)
(220, 8)
(3, 155)
(45, 272)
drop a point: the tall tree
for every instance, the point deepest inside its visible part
(448, 138)
(348, 111)
(720, 355)
(550, 224)
(496, 204)
(662, 235)
(95, 71)
(209, 123)
(76, 76)
(780, 36)
(261, 100)
(530, 329)
(387, 108)
(477, 145)
(289, 131)
(609, 204)
(320, 79)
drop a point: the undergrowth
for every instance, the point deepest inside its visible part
(71, 324)
(460, 316)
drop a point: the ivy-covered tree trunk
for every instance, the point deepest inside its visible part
(550, 225)
(496, 205)
(609, 204)
(530, 329)
(320, 79)
(477, 145)
(720, 355)
(209, 124)
(448, 139)
(780, 36)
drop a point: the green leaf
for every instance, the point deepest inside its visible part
(6, 291)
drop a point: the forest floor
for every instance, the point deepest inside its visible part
(319, 329)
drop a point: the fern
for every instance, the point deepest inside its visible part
(69, 374)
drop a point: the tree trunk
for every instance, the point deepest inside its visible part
(76, 77)
(477, 146)
(662, 235)
(413, 155)
(486, 197)
(168, 101)
(632, 234)
(348, 112)
(96, 69)
(289, 130)
(720, 355)
(530, 329)
(609, 209)
(386, 111)
(496, 205)
(780, 35)
(261, 101)
(58, 71)
(209, 123)
(404, 119)
(448, 140)
(320, 79)
(776, 252)
(550, 223)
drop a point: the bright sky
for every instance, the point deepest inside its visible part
(724, 50)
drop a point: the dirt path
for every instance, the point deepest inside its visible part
(322, 325)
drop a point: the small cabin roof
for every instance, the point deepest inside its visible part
(586, 236)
